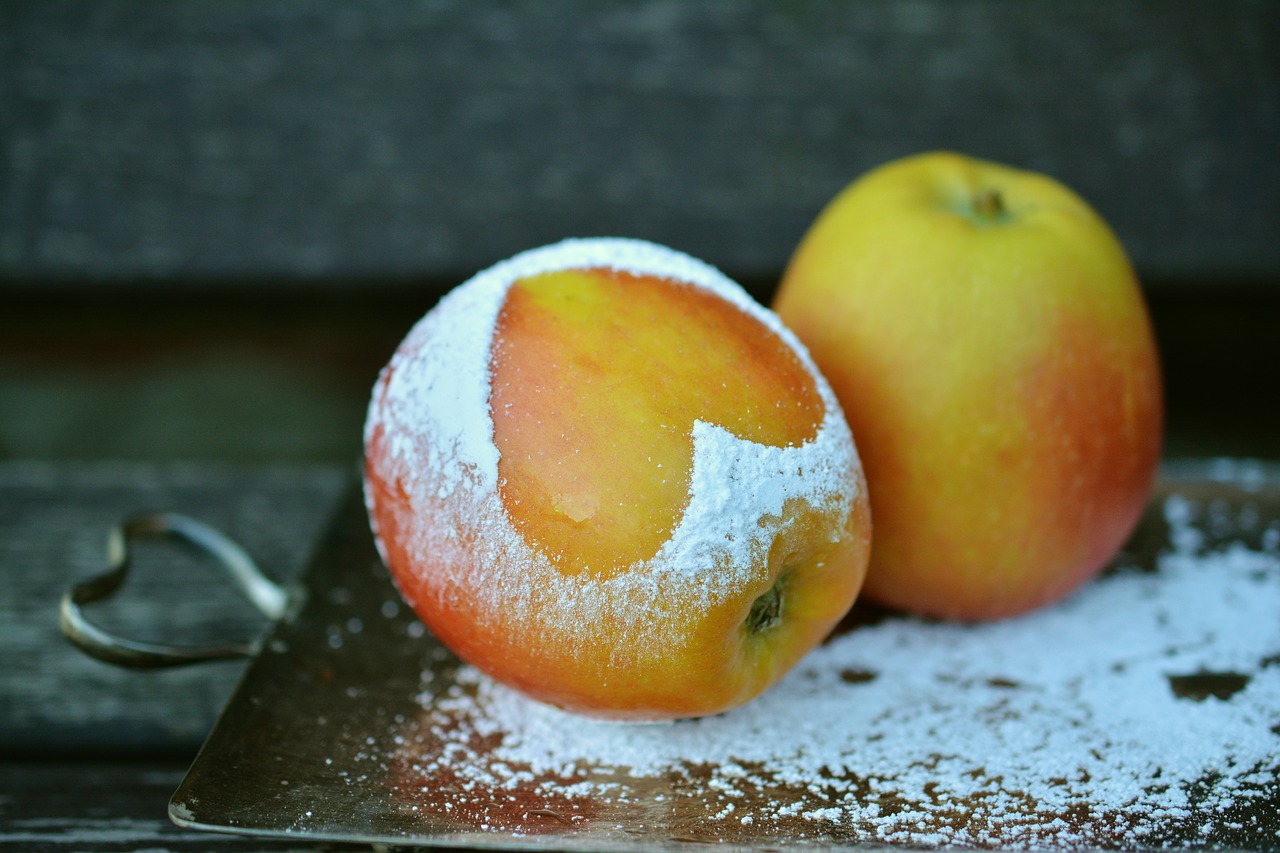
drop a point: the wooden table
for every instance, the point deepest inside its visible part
(93, 752)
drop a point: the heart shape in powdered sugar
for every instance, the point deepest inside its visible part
(607, 356)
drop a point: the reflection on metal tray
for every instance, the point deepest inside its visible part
(353, 724)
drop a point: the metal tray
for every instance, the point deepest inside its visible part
(329, 736)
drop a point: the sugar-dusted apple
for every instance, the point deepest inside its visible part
(604, 475)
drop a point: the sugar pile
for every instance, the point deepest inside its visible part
(1143, 710)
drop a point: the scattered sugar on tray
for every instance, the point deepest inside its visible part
(1058, 728)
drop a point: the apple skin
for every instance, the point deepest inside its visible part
(989, 342)
(604, 476)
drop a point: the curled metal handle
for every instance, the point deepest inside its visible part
(268, 597)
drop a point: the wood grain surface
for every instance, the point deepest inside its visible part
(190, 143)
(54, 521)
(89, 753)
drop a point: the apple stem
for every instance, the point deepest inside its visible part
(988, 205)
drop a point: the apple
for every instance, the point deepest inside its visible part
(603, 475)
(989, 342)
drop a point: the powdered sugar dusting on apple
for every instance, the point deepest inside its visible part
(430, 411)
(1080, 725)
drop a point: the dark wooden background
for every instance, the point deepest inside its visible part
(218, 218)
(186, 143)
(239, 207)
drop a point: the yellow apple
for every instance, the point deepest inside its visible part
(606, 477)
(989, 342)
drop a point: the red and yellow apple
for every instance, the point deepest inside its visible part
(602, 474)
(987, 338)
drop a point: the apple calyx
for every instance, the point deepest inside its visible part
(766, 611)
(989, 207)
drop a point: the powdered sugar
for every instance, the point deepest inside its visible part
(1145, 709)
(736, 483)
(439, 377)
